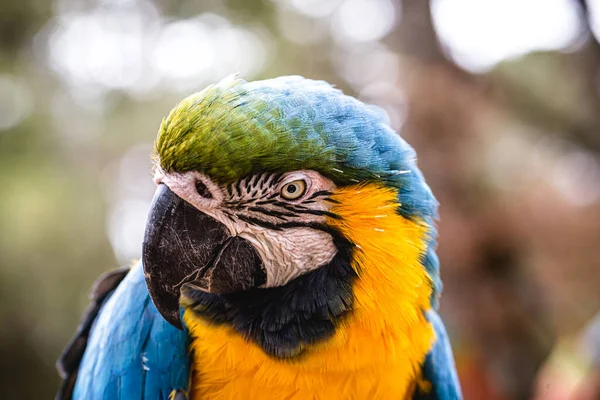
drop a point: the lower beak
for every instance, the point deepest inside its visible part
(184, 246)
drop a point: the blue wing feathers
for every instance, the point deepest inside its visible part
(439, 368)
(132, 353)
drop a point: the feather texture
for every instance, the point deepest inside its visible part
(389, 336)
(439, 371)
(132, 352)
(376, 351)
(235, 129)
(68, 363)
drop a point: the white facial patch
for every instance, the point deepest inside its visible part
(263, 210)
(290, 253)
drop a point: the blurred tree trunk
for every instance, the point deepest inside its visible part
(487, 285)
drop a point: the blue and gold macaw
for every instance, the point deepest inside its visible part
(288, 254)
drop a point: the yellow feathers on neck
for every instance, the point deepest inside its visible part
(391, 281)
(375, 353)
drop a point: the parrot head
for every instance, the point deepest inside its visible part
(269, 195)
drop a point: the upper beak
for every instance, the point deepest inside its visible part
(184, 246)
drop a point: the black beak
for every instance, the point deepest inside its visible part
(184, 246)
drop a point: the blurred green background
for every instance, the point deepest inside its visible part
(499, 97)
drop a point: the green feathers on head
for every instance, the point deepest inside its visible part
(233, 129)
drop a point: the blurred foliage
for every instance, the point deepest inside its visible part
(19, 21)
(511, 152)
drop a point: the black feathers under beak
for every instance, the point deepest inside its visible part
(183, 246)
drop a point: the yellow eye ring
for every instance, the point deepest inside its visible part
(293, 190)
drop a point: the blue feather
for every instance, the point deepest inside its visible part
(439, 368)
(132, 352)
(361, 139)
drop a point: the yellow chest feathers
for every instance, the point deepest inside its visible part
(375, 353)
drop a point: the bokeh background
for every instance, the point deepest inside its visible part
(499, 97)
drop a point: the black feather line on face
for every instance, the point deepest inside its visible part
(319, 194)
(297, 209)
(290, 207)
(329, 199)
(259, 222)
(238, 187)
(253, 181)
(263, 202)
(255, 186)
(277, 178)
(319, 212)
(290, 224)
(273, 213)
(284, 320)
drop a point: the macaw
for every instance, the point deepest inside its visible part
(289, 253)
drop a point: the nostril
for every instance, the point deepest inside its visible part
(203, 190)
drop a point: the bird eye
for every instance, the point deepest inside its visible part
(293, 190)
